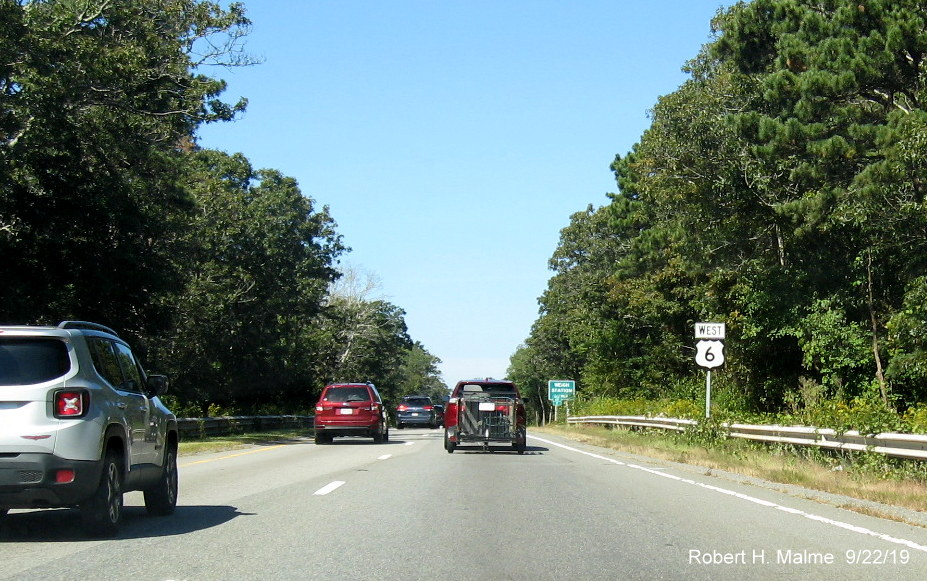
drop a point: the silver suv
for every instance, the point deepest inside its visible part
(81, 423)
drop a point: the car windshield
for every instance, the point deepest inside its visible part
(345, 394)
(31, 361)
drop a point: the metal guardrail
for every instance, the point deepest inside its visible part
(224, 425)
(635, 421)
(888, 443)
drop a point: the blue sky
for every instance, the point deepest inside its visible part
(452, 139)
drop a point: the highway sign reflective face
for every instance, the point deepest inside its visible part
(709, 354)
(560, 390)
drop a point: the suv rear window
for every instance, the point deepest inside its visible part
(490, 388)
(416, 401)
(345, 394)
(28, 361)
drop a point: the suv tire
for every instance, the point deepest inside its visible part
(162, 499)
(102, 512)
(381, 436)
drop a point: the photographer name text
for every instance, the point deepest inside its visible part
(799, 557)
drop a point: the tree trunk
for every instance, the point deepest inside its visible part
(883, 388)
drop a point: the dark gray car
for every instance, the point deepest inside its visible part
(416, 410)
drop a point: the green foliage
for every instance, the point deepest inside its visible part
(779, 190)
(94, 101)
(708, 432)
(419, 375)
(907, 335)
(610, 406)
(109, 211)
(255, 265)
(914, 419)
(832, 348)
(365, 341)
(866, 414)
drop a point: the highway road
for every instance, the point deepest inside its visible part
(408, 510)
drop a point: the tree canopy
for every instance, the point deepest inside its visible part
(110, 211)
(778, 190)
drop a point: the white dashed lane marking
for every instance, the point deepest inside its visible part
(332, 486)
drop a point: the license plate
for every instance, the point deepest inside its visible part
(346, 411)
(487, 406)
(414, 414)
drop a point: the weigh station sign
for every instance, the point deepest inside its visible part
(560, 390)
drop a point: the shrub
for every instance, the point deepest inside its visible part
(914, 420)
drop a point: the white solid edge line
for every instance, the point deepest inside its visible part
(748, 498)
(385, 457)
(332, 486)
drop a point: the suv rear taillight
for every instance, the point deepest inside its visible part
(71, 404)
(402, 407)
(64, 476)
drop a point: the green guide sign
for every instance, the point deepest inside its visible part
(560, 390)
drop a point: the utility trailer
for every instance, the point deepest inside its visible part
(485, 413)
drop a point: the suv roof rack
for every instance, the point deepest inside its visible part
(86, 325)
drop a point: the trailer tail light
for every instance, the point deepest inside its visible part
(450, 412)
(71, 404)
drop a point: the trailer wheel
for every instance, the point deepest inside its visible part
(521, 440)
(448, 445)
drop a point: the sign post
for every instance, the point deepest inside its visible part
(709, 353)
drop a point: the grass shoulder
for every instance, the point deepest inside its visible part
(189, 447)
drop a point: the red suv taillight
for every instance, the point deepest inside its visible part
(71, 404)
(402, 407)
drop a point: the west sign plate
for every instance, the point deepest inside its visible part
(709, 330)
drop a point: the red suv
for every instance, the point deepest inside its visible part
(485, 412)
(350, 409)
